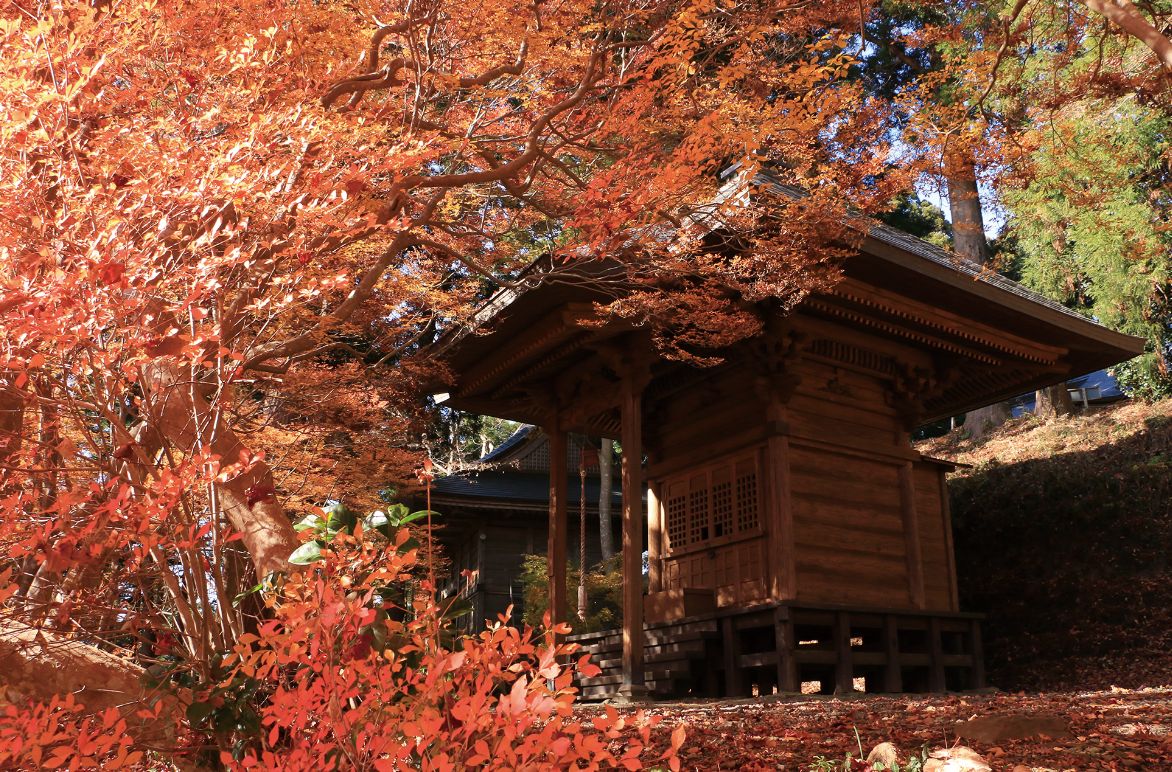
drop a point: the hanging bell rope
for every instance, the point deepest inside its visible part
(586, 458)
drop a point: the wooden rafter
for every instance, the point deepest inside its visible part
(536, 339)
(862, 318)
(946, 322)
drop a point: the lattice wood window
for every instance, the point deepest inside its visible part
(676, 509)
(747, 496)
(722, 502)
(698, 509)
(712, 504)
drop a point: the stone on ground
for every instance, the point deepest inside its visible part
(958, 759)
(884, 753)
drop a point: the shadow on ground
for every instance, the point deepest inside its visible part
(1069, 557)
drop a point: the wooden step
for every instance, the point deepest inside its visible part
(655, 688)
(693, 649)
(650, 674)
(653, 637)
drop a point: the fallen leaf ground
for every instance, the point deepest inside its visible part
(1063, 530)
(1118, 729)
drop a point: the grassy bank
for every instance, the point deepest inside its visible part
(1063, 531)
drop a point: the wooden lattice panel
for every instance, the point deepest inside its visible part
(675, 508)
(747, 498)
(722, 502)
(713, 527)
(699, 515)
(712, 504)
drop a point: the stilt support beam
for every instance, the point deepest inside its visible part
(633, 687)
(556, 553)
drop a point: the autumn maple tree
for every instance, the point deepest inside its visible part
(226, 230)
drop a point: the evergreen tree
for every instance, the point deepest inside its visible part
(1092, 223)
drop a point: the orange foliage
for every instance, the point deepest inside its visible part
(59, 735)
(356, 678)
(226, 230)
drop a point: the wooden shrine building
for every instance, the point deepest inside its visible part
(793, 533)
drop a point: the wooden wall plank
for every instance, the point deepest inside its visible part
(939, 573)
(848, 526)
(911, 524)
(782, 562)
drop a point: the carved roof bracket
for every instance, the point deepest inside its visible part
(587, 396)
(913, 387)
(544, 398)
(629, 358)
(773, 358)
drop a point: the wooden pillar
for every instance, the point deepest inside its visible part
(787, 665)
(480, 614)
(556, 552)
(977, 677)
(911, 532)
(654, 539)
(936, 682)
(892, 672)
(949, 553)
(844, 669)
(732, 657)
(632, 472)
(782, 566)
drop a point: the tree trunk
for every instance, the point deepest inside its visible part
(11, 424)
(36, 665)
(968, 239)
(1053, 401)
(978, 423)
(964, 204)
(248, 498)
(605, 481)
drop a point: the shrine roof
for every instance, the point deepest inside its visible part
(511, 486)
(897, 288)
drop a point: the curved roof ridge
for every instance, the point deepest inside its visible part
(515, 442)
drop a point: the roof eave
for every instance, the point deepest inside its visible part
(1127, 346)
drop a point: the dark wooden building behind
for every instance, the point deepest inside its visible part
(496, 513)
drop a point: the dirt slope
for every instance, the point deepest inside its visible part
(1063, 532)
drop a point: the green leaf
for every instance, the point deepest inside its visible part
(246, 593)
(309, 522)
(458, 607)
(396, 513)
(341, 518)
(307, 553)
(411, 518)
